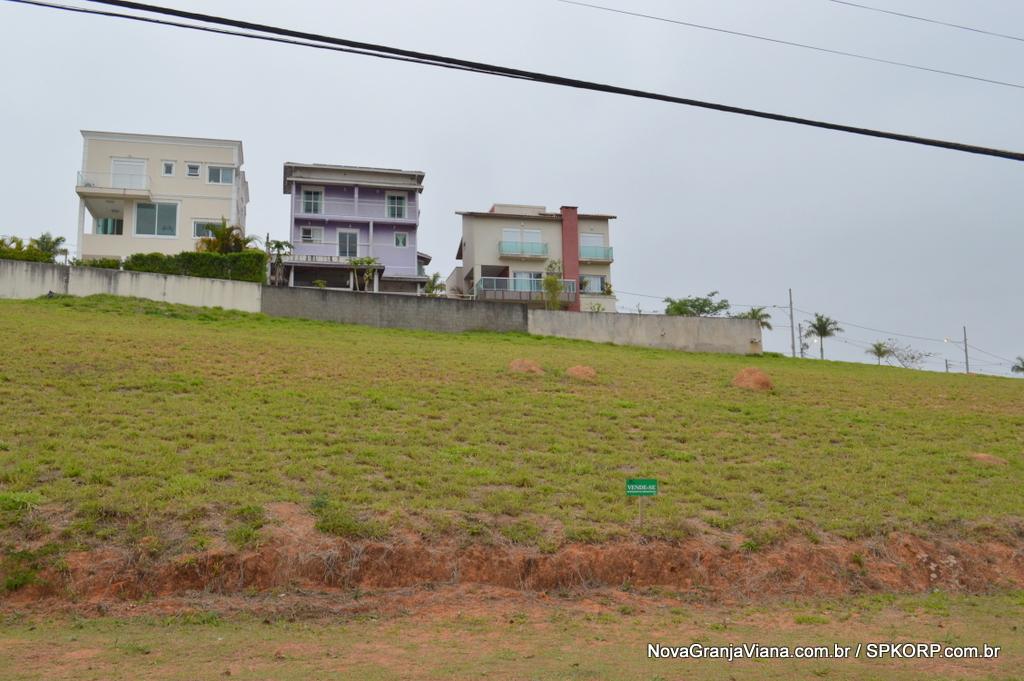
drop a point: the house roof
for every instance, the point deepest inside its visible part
(322, 173)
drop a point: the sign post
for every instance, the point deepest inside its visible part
(640, 488)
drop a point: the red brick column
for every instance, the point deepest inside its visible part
(571, 250)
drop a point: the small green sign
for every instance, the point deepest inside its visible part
(641, 487)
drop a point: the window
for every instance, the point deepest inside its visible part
(401, 239)
(348, 244)
(201, 228)
(128, 173)
(192, 169)
(396, 206)
(168, 168)
(313, 201)
(312, 235)
(592, 283)
(219, 175)
(109, 226)
(527, 281)
(156, 219)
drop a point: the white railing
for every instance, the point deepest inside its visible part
(113, 180)
(342, 208)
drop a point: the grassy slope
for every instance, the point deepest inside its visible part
(557, 641)
(143, 419)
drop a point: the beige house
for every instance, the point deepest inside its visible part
(155, 193)
(505, 253)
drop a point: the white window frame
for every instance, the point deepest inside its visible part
(314, 230)
(138, 162)
(95, 227)
(220, 167)
(189, 165)
(405, 205)
(602, 280)
(604, 241)
(322, 204)
(163, 168)
(204, 221)
(177, 220)
(404, 234)
(337, 241)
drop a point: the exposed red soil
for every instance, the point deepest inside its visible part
(296, 555)
(524, 366)
(752, 379)
(581, 372)
(988, 458)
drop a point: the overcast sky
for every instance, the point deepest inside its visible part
(875, 233)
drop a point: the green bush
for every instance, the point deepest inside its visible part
(250, 265)
(30, 254)
(103, 263)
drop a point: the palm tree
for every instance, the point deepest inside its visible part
(822, 327)
(278, 249)
(434, 287)
(759, 315)
(879, 350)
(1018, 368)
(225, 238)
(49, 244)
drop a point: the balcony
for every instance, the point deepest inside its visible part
(363, 209)
(596, 254)
(112, 185)
(519, 290)
(523, 250)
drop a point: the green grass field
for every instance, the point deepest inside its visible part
(122, 419)
(598, 639)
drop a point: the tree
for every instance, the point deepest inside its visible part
(822, 327)
(553, 285)
(908, 357)
(434, 287)
(1018, 368)
(225, 238)
(879, 350)
(696, 306)
(49, 244)
(368, 265)
(278, 249)
(759, 315)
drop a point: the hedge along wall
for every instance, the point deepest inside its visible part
(248, 265)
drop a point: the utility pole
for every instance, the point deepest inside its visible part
(801, 327)
(792, 337)
(947, 366)
(967, 360)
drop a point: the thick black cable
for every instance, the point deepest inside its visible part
(450, 62)
(790, 43)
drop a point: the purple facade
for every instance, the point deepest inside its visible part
(333, 223)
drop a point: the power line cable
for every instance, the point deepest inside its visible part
(382, 51)
(790, 43)
(929, 20)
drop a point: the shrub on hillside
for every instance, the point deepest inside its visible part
(103, 263)
(25, 253)
(249, 265)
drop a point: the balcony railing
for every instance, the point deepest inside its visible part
(523, 249)
(508, 288)
(113, 180)
(602, 253)
(350, 208)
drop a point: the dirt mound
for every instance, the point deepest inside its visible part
(582, 373)
(295, 555)
(988, 458)
(753, 379)
(524, 366)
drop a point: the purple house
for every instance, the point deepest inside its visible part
(354, 228)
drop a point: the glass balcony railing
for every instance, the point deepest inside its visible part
(596, 253)
(92, 180)
(523, 249)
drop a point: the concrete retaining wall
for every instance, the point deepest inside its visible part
(691, 334)
(32, 279)
(395, 311)
(733, 336)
